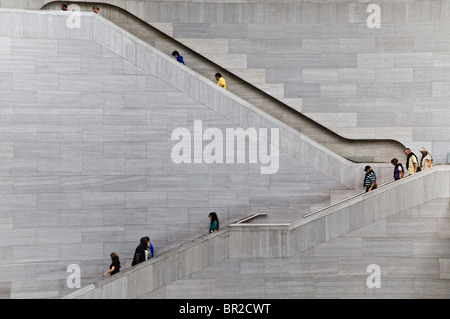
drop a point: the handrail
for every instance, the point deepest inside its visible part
(319, 129)
(359, 194)
(243, 220)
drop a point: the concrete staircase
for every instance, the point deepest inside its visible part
(330, 254)
(88, 114)
(267, 97)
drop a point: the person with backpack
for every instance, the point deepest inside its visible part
(149, 250)
(398, 169)
(140, 252)
(412, 164)
(370, 180)
(427, 160)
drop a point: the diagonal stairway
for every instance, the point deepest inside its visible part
(355, 150)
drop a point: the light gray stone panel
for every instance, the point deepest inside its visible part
(224, 199)
(340, 247)
(58, 65)
(113, 166)
(124, 83)
(375, 119)
(77, 82)
(102, 66)
(107, 234)
(313, 266)
(444, 268)
(195, 288)
(121, 216)
(332, 90)
(120, 183)
(208, 182)
(289, 288)
(394, 75)
(431, 44)
(79, 48)
(283, 75)
(192, 30)
(103, 199)
(338, 60)
(80, 251)
(249, 286)
(357, 266)
(81, 218)
(33, 184)
(357, 45)
(441, 89)
(125, 150)
(146, 199)
(319, 75)
(39, 116)
(36, 150)
(97, 99)
(34, 47)
(35, 81)
(431, 288)
(431, 74)
(307, 90)
(146, 166)
(5, 45)
(18, 98)
(319, 46)
(124, 117)
(66, 235)
(81, 116)
(7, 150)
(100, 133)
(375, 60)
(164, 216)
(375, 90)
(60, 99)
(6, 82)
(427, 247)
(18, 167)
(396, 44)
(272, 61)
(387, 247)
(88, 150)
(62, 167)
(59, 201)
(246, 45)
(413, 60)
(188, 199)
(31, 219)
(17, 63)
(413, 267)
(335, 287)
(415, 228)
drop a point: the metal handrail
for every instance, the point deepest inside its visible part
(249, 217)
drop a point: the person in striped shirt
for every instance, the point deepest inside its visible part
(370, 180)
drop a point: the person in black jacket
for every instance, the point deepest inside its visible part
(398, 169)
(114, 268)
(139, 254)
(370, 180)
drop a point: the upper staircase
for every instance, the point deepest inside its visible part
(265, 97)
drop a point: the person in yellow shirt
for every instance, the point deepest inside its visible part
(221, 81)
